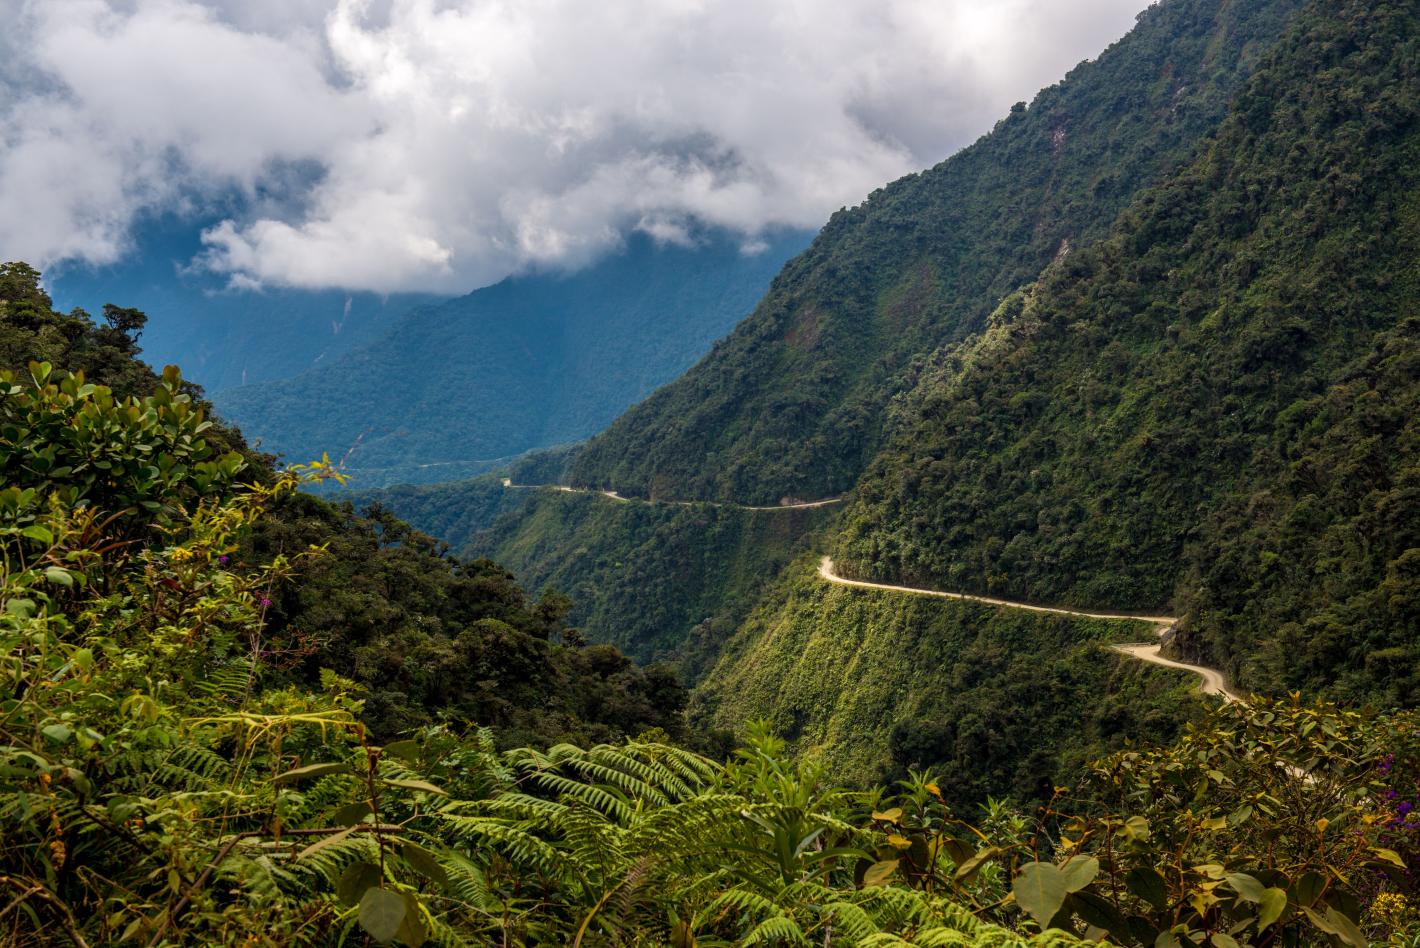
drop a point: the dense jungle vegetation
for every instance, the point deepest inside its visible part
(177, 767)
(422, 634)
(792, 402)
(1220, 399)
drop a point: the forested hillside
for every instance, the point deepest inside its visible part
(1218, 403)
(182, 762)
(793, 402)
(874, 684)
(534, 361)
(1150, 343)
(419, 635)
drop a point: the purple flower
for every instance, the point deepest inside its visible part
(222, 559)
(265, 603)
(1405, 808)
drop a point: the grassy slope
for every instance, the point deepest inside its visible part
(660, 581)
(1001, 701)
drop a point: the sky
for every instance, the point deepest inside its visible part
(441, 145)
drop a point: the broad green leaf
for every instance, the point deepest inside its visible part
(973, 865)
(405, 750)
(1246, 886)
(382, 913)
(1270, 907)
(58, 733)
(413, 785)
(1308, 889)
(357, 878)
(1136, 828)
(1389, 855)
(1040, 890)
(423, 862)
(1334, 923)
(1221, 940)
(351, 813)
(35, 532)
(60, 577)
(1097, 912)
(1080, 872)
(1146, 883)
(325, 842)
(412, 931)
(879, 872)
(959, 851)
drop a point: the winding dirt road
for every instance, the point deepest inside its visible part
(1214, 682)
(613, 495)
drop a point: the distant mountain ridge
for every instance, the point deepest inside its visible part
(531, 362)
(224, 337)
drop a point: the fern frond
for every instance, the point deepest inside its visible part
(780, 931)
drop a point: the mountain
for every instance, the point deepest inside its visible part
(224, 337)
(794, 401)
(777, 411)
(1215, 406)
(531, 362)
(1204, 406)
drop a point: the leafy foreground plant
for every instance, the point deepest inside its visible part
(162, 783)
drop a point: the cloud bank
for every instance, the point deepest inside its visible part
(415, 144)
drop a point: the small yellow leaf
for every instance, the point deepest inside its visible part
(900, 842)
(933, 789)
(889, 816)
(1322, 824)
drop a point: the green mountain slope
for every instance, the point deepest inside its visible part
(765, 414)
(793, 402)
(531, 362)
(1219, 400)
(872, 683)
(658, 580)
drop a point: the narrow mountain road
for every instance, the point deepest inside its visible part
(613, 495)
(1214, 682)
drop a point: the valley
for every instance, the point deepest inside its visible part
(1029, 558)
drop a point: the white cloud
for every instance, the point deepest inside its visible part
(461, 140)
